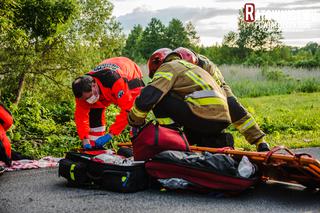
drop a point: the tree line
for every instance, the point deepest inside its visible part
(258, 43)
(141, 43)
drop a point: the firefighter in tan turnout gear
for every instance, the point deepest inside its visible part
(240, 117)
(183, 94)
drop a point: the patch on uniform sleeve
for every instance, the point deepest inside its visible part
(120, 93)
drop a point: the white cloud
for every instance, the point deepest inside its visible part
(209, 41)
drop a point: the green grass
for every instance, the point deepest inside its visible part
(291, 120)
(269, 88)
(267, 81)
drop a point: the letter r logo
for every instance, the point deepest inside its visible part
(249, 12)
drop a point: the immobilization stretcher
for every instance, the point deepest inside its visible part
(279, 164)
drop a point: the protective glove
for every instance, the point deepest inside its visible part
(101, 141)
(86, 143)
(87, 146)
(135, 121)
(262, 146)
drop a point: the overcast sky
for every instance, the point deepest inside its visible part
(299, 19)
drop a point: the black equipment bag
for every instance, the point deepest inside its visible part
(80, 170)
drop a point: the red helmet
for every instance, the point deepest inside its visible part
(187, 55)
(156, 59)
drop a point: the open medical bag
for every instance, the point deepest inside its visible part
(81, 169)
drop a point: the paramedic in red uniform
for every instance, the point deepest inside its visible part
(114, 81)
(6, 121)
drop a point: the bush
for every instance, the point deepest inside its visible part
(308, 63)
(309, 85)
(43, 129)
(274, 74)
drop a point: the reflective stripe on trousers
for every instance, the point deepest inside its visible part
(95, 133)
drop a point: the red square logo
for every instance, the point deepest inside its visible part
(249, 12)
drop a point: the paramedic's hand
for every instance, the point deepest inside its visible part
(101, 141)
(86, 144)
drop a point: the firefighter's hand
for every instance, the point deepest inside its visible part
(135, 121)
(101, 141)
(262, 146)
(86, 143)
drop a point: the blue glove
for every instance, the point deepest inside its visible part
(101, 141)
(87, 146)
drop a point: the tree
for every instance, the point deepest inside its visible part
(176, 35)
(133, 42)
(33, 29)
(312, 47)
(192, 34)
(262, 34)
(230, 39)
(153, 38)
(54, 40)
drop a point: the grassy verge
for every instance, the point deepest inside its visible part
(291, 120)
(267, 81)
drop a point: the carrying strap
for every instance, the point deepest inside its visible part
(156, 137)
(184, 139)
(124, 178)
(279, 148)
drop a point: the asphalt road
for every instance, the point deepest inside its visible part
(43, 191)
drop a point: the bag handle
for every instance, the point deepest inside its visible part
(184, 139)
(156, 139)
(278, 148)
(140, 130)
(156, 134)
(98, 178)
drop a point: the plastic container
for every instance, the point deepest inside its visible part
(246, 169)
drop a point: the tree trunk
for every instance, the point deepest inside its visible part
(19, 90)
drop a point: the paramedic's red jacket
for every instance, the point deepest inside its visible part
(120, 82)
(6, 121)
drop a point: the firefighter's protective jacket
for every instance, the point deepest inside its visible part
(188, 82)
(120, 81)
(6, 121)
(241, 118)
